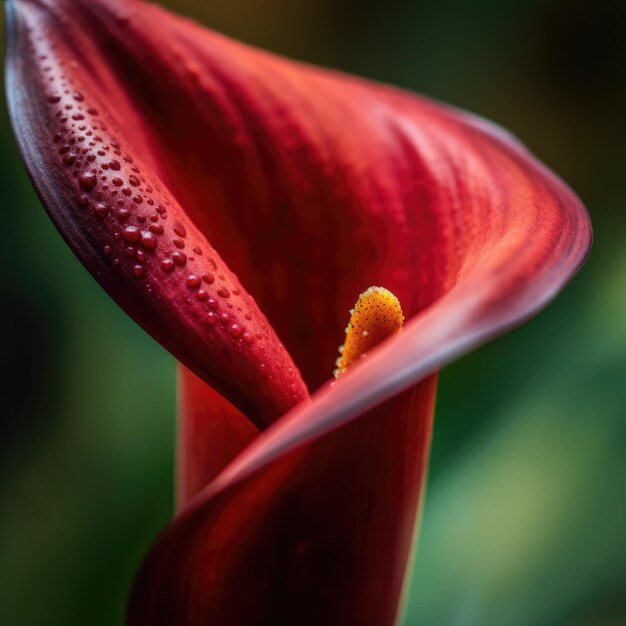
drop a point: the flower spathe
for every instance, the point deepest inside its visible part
(234, 204)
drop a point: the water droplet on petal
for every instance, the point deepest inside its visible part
(167, 265)
(179, 258)
(131, 233)
(193, 282)
(235, 330)
(101, 210)
(87, 181)
(148, 240)
(122, 214)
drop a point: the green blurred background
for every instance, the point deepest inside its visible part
(525, 518)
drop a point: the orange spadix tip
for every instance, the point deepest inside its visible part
(377, 314)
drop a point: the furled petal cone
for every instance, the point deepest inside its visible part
(321, 536)
(100, 174)
(295, 529)
(332, 184)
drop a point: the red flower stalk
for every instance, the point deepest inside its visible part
(207, 185)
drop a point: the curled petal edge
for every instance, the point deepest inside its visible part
(498, 295)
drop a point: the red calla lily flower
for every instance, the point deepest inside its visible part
(230, 200)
